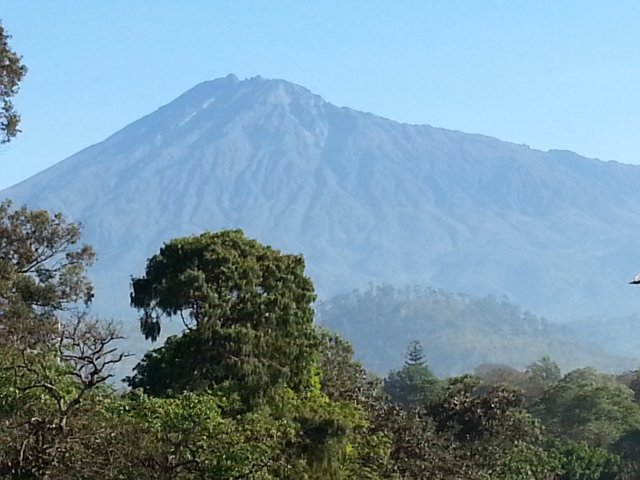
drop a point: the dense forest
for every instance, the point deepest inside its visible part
(253, 388)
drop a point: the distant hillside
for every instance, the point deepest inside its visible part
(458, 332)
(366, 199)
(613, 334)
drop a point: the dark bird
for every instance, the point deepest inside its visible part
(635, 281)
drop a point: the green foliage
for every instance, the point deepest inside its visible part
(498, 413)
(588, 406)
(464, 435)
(252, 389)
(544, 371)
(46, 390)
(538, 377)
(325, 432)
(492, 375)
(499, 439)
(418, 450)
(627, 448)
(342, 378)
(413, 386)
(11, 72)
(579, 461)
(187, 437)
(53, 357)
(184, 363)
(246, 309)
(632, 380)
(42, 267)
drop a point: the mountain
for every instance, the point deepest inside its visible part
(366, 199)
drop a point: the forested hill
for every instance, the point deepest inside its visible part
(458, 332)
(364, 198)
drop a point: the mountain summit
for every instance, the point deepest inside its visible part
(366, 199)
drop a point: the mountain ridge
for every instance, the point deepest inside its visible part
(365, 198)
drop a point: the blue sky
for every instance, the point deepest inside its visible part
(545, 73)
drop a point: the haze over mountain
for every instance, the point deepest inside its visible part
(459, 332)
(366, 199)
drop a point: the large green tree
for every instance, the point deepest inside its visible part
(246, 309)
(11, 73)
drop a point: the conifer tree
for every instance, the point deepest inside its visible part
(415, 354)
(415, 384)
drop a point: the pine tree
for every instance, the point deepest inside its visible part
(415, 354)
(414, 384)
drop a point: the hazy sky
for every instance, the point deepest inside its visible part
(548, 74)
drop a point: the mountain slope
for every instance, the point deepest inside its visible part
(364, 198)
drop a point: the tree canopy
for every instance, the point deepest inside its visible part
(42, 269)
(11, 73)
(586, 405)
(246, 309)
(53, 356)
